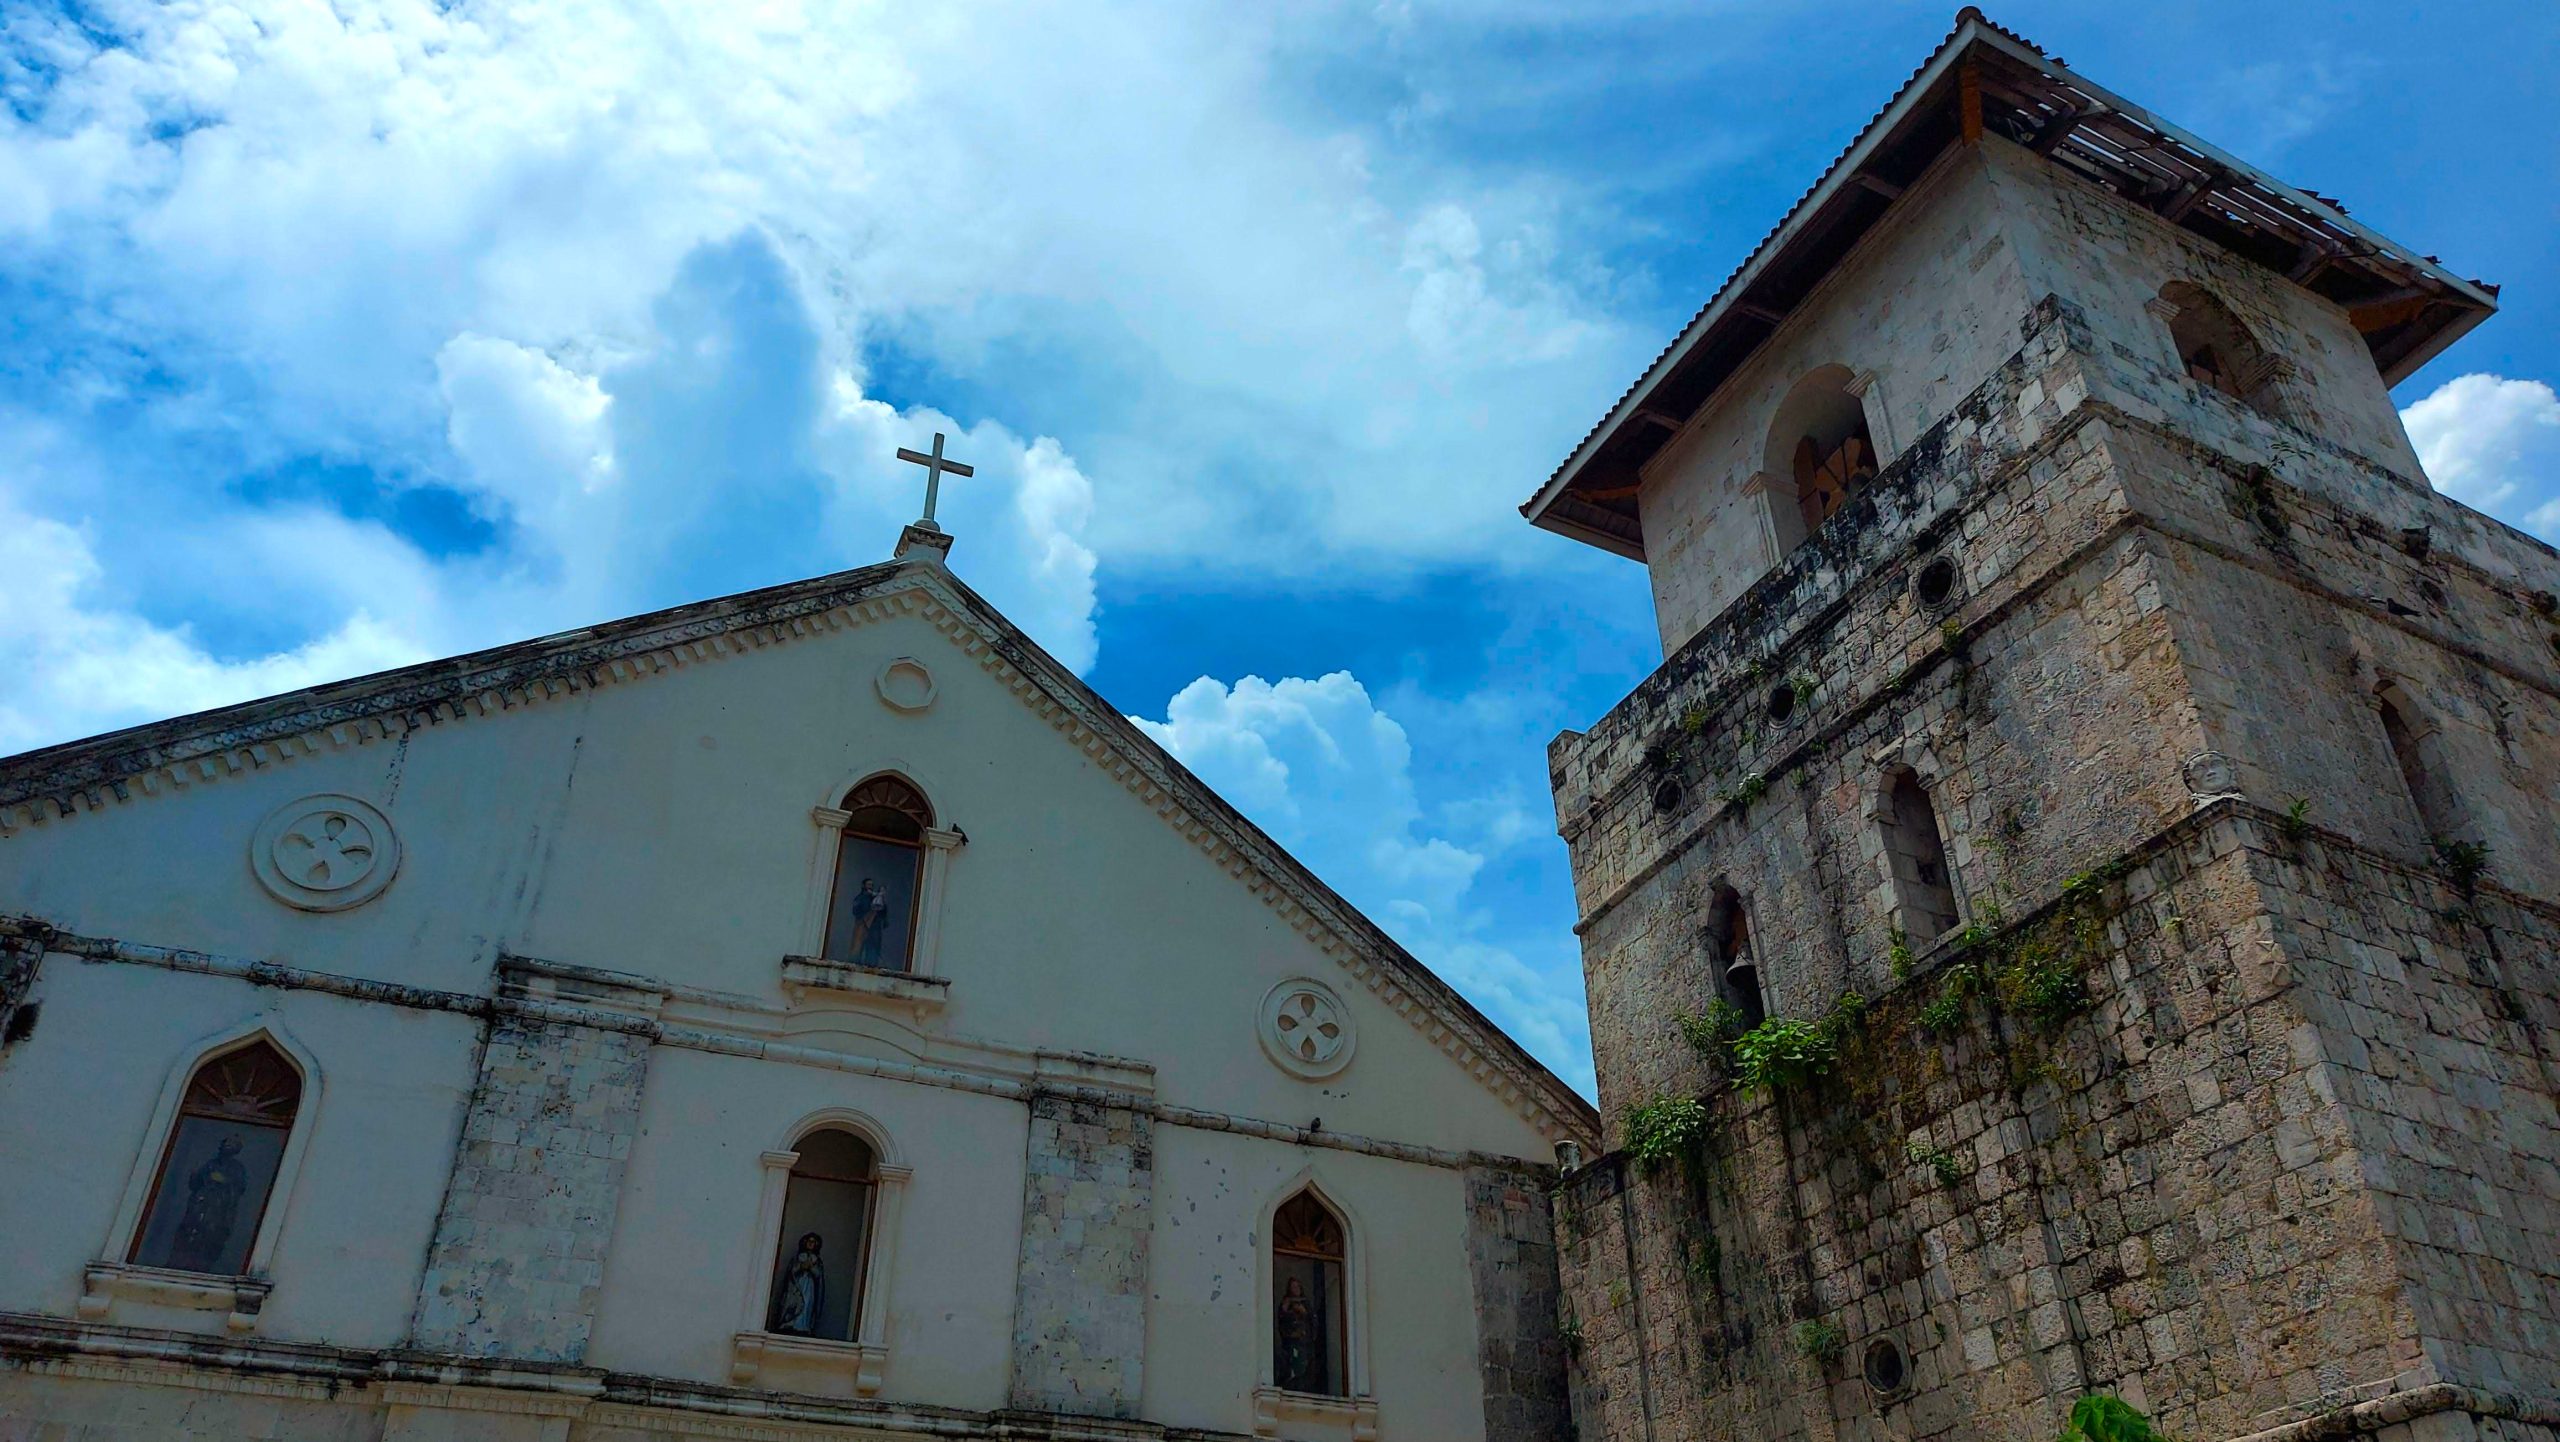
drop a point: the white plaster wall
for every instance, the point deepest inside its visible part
(662, 827)
(1206, 1352)
(1929, 301)
(76, 1104)
(687, 1232)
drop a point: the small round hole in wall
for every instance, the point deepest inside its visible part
(1782, 701)
(1885, 1368)
(1937, 582)
(1666, 793)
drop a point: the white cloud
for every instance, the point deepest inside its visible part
(77, 666)
(2493, 443)
(503, 247)
(1330, 776)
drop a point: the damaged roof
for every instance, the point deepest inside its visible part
(1984, 78)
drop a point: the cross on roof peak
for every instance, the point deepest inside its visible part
(935, 467)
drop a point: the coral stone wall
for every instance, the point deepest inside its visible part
(2258, 1179)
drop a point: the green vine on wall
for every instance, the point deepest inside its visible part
(2101, 1417)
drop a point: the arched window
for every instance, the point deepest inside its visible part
(218, 1168)
(2413, 745)
(2213, 347)
(871, 920)
(1923, 890)
(821, 1257)
(1309, 1332)
(1819, 443)
(1729, 951)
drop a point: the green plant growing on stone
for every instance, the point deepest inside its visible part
(2041, 984)
(1951, 634)
(2462, 862)
(1618, 1295)
(1569, 1330)
(1821, 1341)
(1947, 1012)
(1784, 1054)
(2297, 820)
(1693, 720)
(1898, 954)
(1803, 687)
(1711, 1032)
(1667, 1130)
(2101, 1417)
(1941, 1163)
(1750, 789)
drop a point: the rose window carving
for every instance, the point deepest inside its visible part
(1306, 1029)
(325, 853)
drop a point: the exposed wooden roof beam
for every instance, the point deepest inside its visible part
(1877, 183)
(1759, 312)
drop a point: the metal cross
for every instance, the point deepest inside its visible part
(934, 466)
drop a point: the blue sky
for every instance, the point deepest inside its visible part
(338, 337)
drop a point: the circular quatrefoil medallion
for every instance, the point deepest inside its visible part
(325, 852)
(1306, 1029)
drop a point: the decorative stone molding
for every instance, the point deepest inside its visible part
(101, 1283)
(1355, 1418)
(62, 782)
(325, 852)
(816, 979)
(2210, 777)
(1305, 1029)
(905, 684)
(857, 1367)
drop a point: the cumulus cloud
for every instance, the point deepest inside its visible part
(581, 307)
(78, 666)
(2494, 443)
(1330, 776)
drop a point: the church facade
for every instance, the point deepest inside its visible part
(2075, 915)
(809, 1013)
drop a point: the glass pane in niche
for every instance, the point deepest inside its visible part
(817, 1290)
(872, 919)
(211, 1193)
(1306, 1325)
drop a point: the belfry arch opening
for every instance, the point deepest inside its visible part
(1819, 445)
(1731, 956)
(2214, 348)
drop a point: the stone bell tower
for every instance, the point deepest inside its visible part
(2123, 785)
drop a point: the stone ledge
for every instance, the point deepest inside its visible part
(102, 1283)
(844, 981)
(858, 1365)
(2361, 1418)
(1352, 1417)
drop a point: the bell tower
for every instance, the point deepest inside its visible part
(2074, 912)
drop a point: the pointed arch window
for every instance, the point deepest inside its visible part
(1730, 953)
(1915, 854)
(218, 1168)
(871, 917)
(1309, 1328)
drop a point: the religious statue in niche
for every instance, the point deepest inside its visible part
(868, 914)
(219, 1165)
(802, 1298)
(1293, 1326)
(879, 871)
(1307, 1335)
(212, 1209)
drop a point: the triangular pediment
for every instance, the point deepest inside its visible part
(58, 785)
